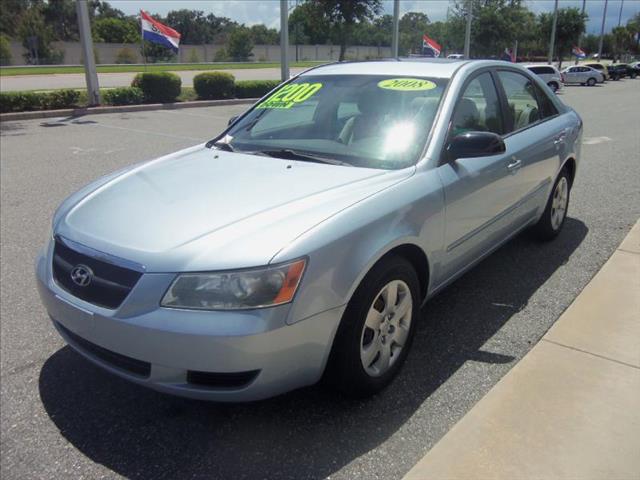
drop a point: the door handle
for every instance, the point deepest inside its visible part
(560, 138)
(514, 165)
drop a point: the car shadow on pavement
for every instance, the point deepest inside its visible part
(309, 433)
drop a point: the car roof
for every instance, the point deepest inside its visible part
(423, 67)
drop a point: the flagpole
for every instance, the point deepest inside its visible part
(144, 58)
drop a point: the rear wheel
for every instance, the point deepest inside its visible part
(377, 329)
(591, 82)
(553, 86)
(633, 75)
(555, 212)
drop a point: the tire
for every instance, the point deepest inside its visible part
(550, 225)
(356, 343)
(591, 82)
(553, 86)
(633, 75)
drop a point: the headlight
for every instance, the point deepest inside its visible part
(244, 289)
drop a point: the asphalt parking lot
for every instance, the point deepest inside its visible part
(62, 417)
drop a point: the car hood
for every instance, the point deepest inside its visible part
(203, 209)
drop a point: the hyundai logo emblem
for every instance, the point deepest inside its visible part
(81, 275)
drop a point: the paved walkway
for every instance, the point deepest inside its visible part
(77, 80)
(570, 409)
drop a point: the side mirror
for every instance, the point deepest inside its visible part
(475, 144)
(232, 119)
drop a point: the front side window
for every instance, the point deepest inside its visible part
(361, 120)
(478, 108)
(521, 97)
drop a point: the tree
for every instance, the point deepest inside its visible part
(261, 35)
(10, 15)
(570, 26)
(342, 15)
(194, 27)
(61, 16)
(307, 24)
(36, 37)
(240, 44)
(116, 30)
(413, 25)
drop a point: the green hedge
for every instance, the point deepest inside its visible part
(214, 85)
(26, 101)
(254, 88)
(158, 87)
(122, 96)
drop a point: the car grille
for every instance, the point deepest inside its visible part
(109, 285)
(115, 360)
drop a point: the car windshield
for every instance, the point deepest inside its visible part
(359, 120)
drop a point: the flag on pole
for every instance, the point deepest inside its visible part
(431, 44)
(578, 52)
(156, 32)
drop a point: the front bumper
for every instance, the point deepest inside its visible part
(182, 345)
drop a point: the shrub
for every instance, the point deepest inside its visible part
(209, 85)
(65, 98)
(5, 50)
(220, 55)
(123, 96)
(193, 56)
(26, 101)
(18, 101)
(163, 87)
(254, 88)
(126, 55)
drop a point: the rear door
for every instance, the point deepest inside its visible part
(534, 132)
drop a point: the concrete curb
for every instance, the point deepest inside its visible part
(570, 408)
(78, 112)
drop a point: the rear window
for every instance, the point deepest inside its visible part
(542, 70)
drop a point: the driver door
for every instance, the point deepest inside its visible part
(478, 191)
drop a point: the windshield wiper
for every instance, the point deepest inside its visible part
(289, 154)
(224, 146)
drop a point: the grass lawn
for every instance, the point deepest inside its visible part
(56, 69)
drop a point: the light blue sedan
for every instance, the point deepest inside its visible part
(301, 242)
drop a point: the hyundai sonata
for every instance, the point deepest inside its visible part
(302, 241)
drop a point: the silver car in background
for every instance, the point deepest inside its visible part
(549, 74)
(582, 75)
(301, 242)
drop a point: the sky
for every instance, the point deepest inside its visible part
(251, 12)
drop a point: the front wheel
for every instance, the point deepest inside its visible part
(376, 330)
(555, 212)
(591, 82)
(553, 86)
(634, 75)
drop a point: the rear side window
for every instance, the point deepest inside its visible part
(521, 96)
(547, 108)
(479, 108)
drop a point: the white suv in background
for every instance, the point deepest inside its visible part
(550, 74)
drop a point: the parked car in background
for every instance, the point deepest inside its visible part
(635, 67)
(617, 71)
(582, 75)
(550, 74)
(630, 71)
(599, 67)
(301, 242)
